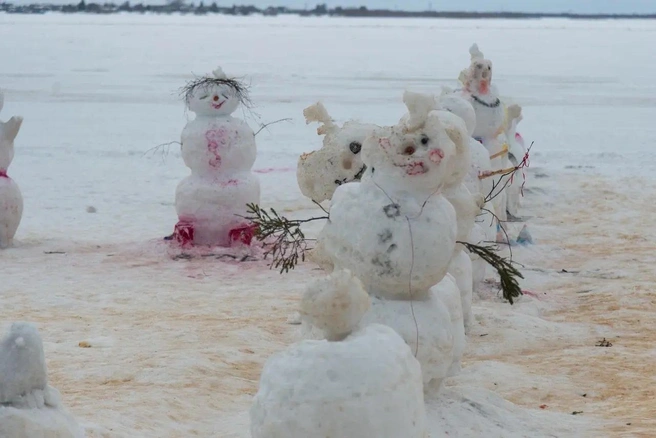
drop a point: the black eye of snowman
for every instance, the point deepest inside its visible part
(355, 147)
(424, 140)
(479, 66)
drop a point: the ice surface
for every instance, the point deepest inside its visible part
(94, 105)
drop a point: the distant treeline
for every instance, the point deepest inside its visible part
(180, 7)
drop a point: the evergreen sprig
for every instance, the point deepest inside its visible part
(283, 238)
(508, 274)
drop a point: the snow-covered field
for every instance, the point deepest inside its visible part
(176, 345)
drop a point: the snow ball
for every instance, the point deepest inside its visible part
(335, 304)
(368, 385)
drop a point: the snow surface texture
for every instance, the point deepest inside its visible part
(220, 151)
(368, 385)
(339, 160)
(179, 332)
(11, 199)
(29, 407)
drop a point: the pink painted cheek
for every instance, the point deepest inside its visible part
(436, 156)
(385, 143)
(3, 174)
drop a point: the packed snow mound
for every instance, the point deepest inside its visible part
(368, 385)
(29, 407)
(335, 304)
(426, 321)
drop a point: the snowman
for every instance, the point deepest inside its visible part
(397, 233)
(339, 160)
(490, 116)
(29, 407)
(11, 200)
(484, 228)
(359, 381)
(516, 152)
(220, 151)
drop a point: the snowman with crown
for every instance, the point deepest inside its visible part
(220, 150)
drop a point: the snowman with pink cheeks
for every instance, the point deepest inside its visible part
(220, 150)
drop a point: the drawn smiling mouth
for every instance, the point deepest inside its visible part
(356, 177)
(218, 105)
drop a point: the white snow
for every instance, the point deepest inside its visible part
(368, 385)
(177, 346)
(29, 407)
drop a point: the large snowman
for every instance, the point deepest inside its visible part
(397, 233)
(11, 199)
(220, 151)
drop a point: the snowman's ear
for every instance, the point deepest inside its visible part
(318, 113)
(458, 137)
(10, 129)
(419, 106)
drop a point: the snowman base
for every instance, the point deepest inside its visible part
(188, 233)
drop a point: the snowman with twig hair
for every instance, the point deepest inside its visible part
(220, 150)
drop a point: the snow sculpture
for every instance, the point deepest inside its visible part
(397, 232)
(367, 384)
(220, 150)
(29, 407)
(490, 115)
(11, 199)
(485, 226)
(516, 152)
(338, 162)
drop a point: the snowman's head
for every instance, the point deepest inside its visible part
(338, 162)
(419, 152)
(215, 95)
(477, 79)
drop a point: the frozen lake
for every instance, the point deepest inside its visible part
(97, 92)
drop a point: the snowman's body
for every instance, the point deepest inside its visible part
(516, 152)
(220, 150)
(11, 199)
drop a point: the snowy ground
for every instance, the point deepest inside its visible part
(176, 345)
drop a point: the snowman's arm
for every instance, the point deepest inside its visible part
(10, 128)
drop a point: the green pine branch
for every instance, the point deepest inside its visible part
(508, 274)
(282, 238)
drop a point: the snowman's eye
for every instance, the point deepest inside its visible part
(479, 66)
(355, 147)
(225, 96)
(216, 98)
(424, 139)
(204, 97)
